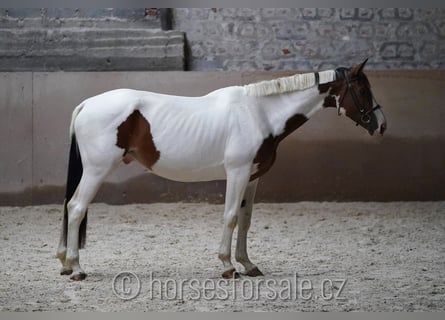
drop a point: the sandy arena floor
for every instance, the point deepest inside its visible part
(315, 256)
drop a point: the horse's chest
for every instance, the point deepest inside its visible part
(265, 156)
(267, 152)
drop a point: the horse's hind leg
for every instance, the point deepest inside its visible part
(92, 178)
(61, 249)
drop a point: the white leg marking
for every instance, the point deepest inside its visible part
(244, 218)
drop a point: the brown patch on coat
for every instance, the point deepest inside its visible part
(134, 136)
(323, 88)
(330, 101)
(267, 153)
(334, 89)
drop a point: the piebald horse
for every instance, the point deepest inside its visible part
(231, 133)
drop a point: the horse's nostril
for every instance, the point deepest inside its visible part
(382, 128)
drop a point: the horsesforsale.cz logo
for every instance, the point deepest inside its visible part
(126, 285)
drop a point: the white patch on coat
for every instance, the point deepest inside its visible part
(254, 169)
(340, 109)
(380, 117)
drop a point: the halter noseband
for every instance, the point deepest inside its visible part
(365, 116)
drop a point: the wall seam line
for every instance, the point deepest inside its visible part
(32, 138)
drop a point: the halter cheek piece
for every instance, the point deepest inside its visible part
(365, 116)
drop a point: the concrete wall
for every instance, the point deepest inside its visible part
(326, 159)
(312, 38)
(87, 40)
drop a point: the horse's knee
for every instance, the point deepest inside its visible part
(244, 226)
(230, 220)
(75, 213)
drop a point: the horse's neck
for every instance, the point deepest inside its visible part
(279, 109)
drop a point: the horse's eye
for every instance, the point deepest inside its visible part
(362, 91)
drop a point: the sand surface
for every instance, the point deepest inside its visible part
(315, 257)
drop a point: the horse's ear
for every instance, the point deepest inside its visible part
(359, 68)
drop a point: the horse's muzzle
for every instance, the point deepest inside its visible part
(380, 121)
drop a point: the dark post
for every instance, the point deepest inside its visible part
(166, 18)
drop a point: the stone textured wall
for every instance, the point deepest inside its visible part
(235, 39)
(312, 38)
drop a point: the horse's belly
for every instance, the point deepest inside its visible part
(189, 174)
(188, 159)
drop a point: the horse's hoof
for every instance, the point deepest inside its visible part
(230, 274)
(66, 271)
(78, 276)
(255, 272)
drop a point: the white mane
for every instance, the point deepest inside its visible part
(296, 82)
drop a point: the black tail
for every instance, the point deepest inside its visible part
(75, 171)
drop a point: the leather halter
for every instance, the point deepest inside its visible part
(365, 115)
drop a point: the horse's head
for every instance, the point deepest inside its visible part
(351, 94)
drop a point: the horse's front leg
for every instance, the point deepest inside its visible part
(244, 217)
(237, 180)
